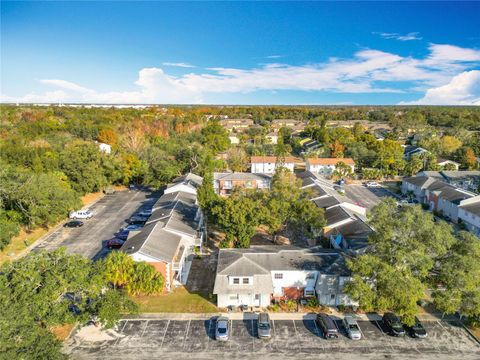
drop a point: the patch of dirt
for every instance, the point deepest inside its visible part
(202, 274)
(61, 332)
(92, 333)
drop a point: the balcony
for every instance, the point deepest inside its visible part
(178, 260)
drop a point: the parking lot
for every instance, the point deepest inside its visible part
(110, 214)
(195, 339)
(366, 197)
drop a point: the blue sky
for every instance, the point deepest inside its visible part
(241, 53)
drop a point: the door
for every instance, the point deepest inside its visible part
(256, 302)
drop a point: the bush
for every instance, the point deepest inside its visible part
(312, 302)
(341, 308)
(274, 308)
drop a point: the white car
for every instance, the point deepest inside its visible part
(372, 184)
(81, 214)
(353, 330)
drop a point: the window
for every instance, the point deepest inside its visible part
(278, 276)
(309, 292)
(245, 281)
(233, 297)
(236, 281)
(332, 297)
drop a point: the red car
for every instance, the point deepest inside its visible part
(115, 243)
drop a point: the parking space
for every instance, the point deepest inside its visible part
(110, 214)
(175, 339)
(367, 197)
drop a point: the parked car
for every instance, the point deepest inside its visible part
(372, 184)
(81, 214)
(135, 219)
(352, 328)
(393, 323)
(264, 327)
(109, 191)
(327, 326)
(73, 224)
(341, 182)
(144, 213)
(122, 235)
(222, 329)
(131, 227)
(115, 243)
(132, 187)
(417, 330)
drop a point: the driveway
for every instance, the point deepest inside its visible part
(138, 339)
(110, 214)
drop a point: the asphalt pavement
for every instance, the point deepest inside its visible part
(110, 214)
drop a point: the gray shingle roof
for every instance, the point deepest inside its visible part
(326, 202)
(240, 176)
(335, 214)
(354, 229)
(473, 208)
(416, 180)
(189, 179)
(155, 242)
(260, 261)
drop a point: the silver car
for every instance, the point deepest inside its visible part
(263, 326)
(353, 330)
(222, 329)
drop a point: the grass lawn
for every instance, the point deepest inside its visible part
(17, 244)
(178, 301)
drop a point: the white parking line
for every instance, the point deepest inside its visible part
(443, 327)
(317, 330)
(385, 335)
(121, 331)
(209, 332)
(186, 334)
(146, 325)
(165, 333)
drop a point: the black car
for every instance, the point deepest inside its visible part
(393, 323)
(326, 326)
(417, 330)
(73, 224)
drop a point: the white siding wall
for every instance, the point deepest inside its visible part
(471, 221)
(225, 300)
(292, 279)
(268, 168)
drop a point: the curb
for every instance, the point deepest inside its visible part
(470, 333)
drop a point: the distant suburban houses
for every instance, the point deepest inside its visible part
(225, 182)
(326, 166)
(445, 193)
(268, 164)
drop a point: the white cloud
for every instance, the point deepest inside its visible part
(178, 64)
(463, 89)
(367, 71)
(407, 37)
(274, 56)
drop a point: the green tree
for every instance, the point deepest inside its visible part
(83, 164)
(342, 171)
(45, 289)
(135, 277)
(238, 216)
(403, 250)
(206, 193)
(237, 159)
(413, 166)
(458, 272)
(215, 137)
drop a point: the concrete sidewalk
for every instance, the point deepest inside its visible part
(274, 316)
